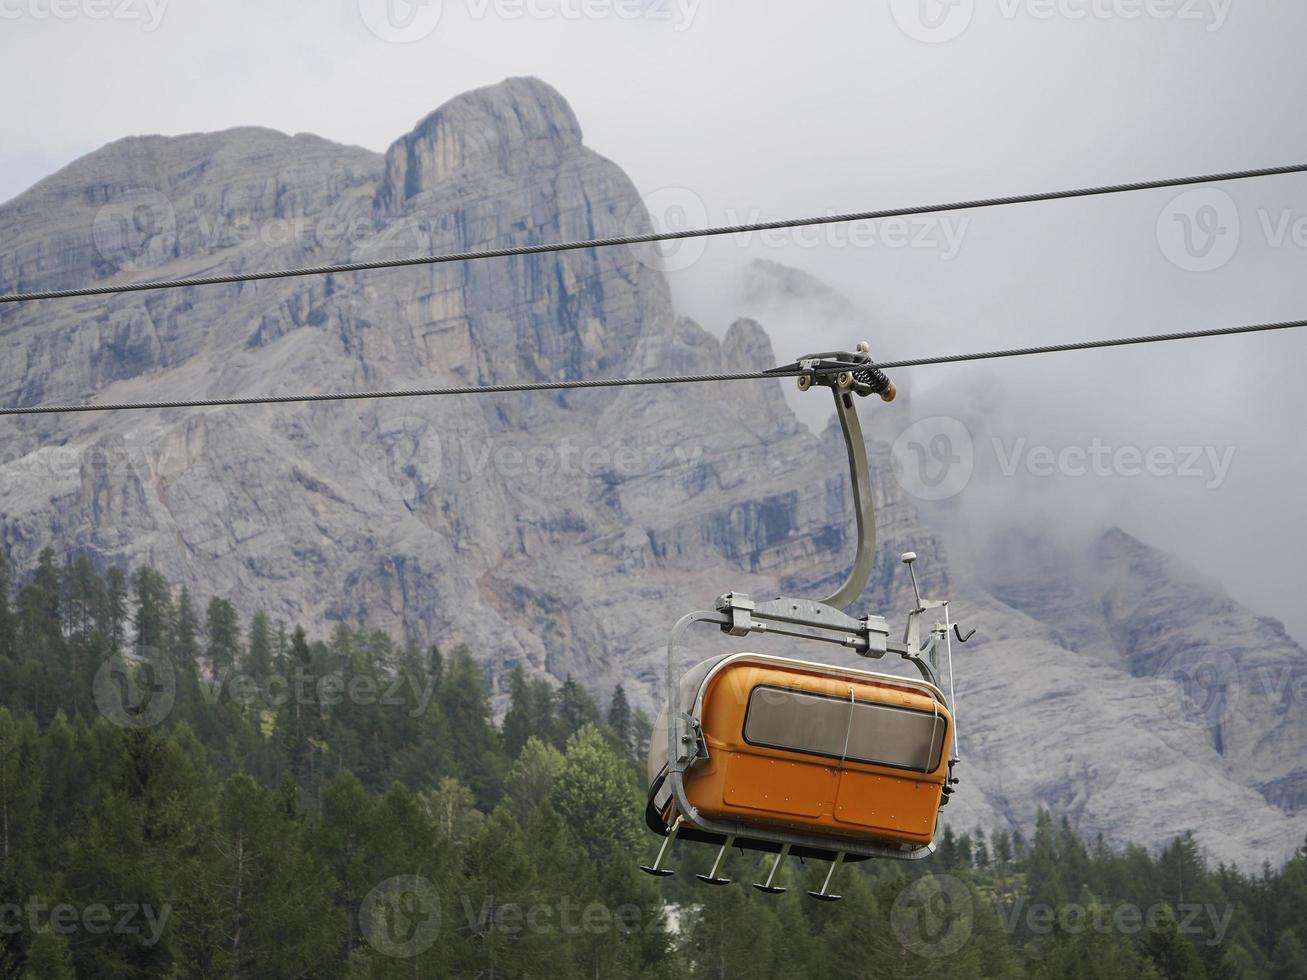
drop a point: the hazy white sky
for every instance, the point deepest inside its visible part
(725, 111)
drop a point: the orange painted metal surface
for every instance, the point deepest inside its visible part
(783, 788)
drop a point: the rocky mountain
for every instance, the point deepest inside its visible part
(563, 531)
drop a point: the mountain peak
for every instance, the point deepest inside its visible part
(512, 127)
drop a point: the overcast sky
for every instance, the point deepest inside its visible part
(731, 111)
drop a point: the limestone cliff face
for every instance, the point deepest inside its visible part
(563, 531)
(1238, 677)
(515, 129)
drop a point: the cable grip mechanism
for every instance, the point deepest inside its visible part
(848, 374)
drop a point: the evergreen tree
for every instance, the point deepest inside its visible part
(222, 634)
(20, 798)
(298, 720)
(1290, 959)
(345, 841)
(49, 957)
(77, 599)
(1092, 954)
(732, 937)
(620, 720)
(477, 757)
(500, 884)
(519, 723)
(1003, 848)
(1171, 954)
(186, 631)
(46, 584)
(258, 662)
(948, 849)
(256, 860)
(1181, 868)
(966, 851)
(154, 610)
(420, 729)
(1217, 964)
(6, 611)
(39, 621)
(641, 733)
(1045, 875)
(112, 615)
(83, 648)
(264, 876)
(576, 709)
(981, 848)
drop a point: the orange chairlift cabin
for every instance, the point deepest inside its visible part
(791, 757)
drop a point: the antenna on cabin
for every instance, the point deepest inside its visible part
(908, 557)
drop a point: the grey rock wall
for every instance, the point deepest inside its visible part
(566, 531)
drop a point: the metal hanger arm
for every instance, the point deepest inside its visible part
(863, 508)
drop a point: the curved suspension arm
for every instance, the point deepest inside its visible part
(863, 508)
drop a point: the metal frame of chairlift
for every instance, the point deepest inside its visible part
(737, 614)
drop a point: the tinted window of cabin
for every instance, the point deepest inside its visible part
(814, 724)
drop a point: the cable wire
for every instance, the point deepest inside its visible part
(772, 374)
(341, 396)
(662, 236)
(1157, 338)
